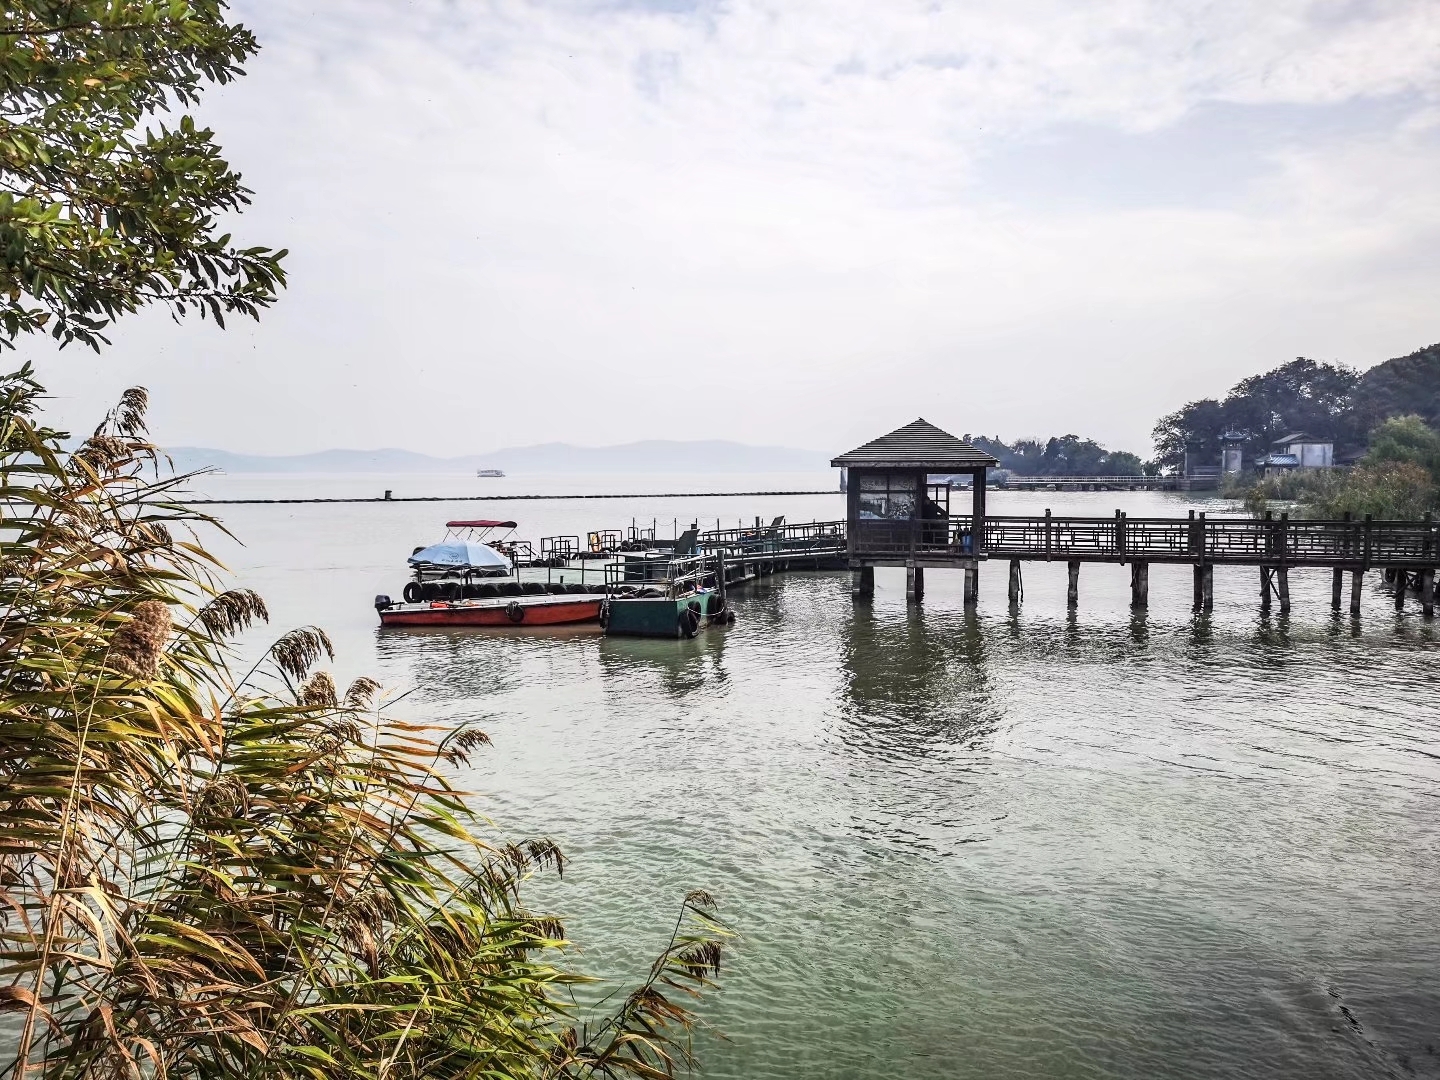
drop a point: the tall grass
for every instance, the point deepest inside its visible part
(212, 876)
(1387, 490)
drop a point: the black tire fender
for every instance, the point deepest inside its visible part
(604, 614)
(412, 592)
(515, 612)
(687, 623)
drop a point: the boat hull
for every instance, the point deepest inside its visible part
(662, 616)
(500, 613)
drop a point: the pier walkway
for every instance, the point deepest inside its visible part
(1407, 551)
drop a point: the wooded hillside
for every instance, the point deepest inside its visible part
(1329, 401)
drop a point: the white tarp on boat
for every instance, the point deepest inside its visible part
(459, 555)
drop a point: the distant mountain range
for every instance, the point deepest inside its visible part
(652, 456)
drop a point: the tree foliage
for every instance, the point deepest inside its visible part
(1406, 385)
(110, 194)
(1406, 439)
(1329, 401)
(1303, 395)
(204, 876)
(1065, 455)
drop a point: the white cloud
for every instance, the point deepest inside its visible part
(517, 222)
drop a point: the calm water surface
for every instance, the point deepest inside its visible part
(1032, 843)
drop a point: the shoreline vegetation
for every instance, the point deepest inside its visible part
(1064, 455)
(253, 876)
(1383, 424)
(1398, 478)
(206, 874)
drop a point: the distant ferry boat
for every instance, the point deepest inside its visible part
(489, 472)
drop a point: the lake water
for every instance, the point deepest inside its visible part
(1032, 844)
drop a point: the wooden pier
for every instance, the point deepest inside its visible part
(898, 517)
(1407, 551)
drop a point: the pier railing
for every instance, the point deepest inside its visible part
(805, 538)
(1277, 541)
(1271, 541)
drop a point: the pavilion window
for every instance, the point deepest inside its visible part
(886, 496)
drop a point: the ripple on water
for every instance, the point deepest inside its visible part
(1033, 844)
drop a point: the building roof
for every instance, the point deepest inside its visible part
(1278, 461)
(1299, 437)
(917, 445)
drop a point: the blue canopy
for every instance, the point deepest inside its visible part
(459, 555)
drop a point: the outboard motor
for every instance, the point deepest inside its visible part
(382, 602)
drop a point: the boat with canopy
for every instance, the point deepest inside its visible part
(472, 578)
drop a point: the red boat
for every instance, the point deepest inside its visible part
(457, 582)
(543, 609)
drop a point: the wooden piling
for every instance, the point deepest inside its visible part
(1337, 587)
(862, 581)
(1357, 582)
(1072, 590)
(915, 583)
(1016, 586)
(972, 586)
(1402, 581)
(1282, 586)
(1265, 589)
(1140, 585)
(1427, 593)
(1204, 593)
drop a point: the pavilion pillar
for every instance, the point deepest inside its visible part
(977, 502)
(1140, 585)
(1357, 583)
(1337, 587)
(1017, 587)
(915, 583)
(1072, 587)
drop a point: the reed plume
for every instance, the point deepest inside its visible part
(140, 642)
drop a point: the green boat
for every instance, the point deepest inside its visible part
(678, 597)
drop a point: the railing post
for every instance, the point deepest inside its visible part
(1284, 550)
(1049, 532)
(1365, 554)
(1120, 535)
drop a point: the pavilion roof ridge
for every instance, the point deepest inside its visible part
(920, 445)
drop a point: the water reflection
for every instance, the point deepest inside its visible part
(451, 663)
(684, 667)
(1139, 627)
(916, 682)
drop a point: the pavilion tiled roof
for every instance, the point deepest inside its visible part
(918, 445)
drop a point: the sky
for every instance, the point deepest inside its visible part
(797, 223)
